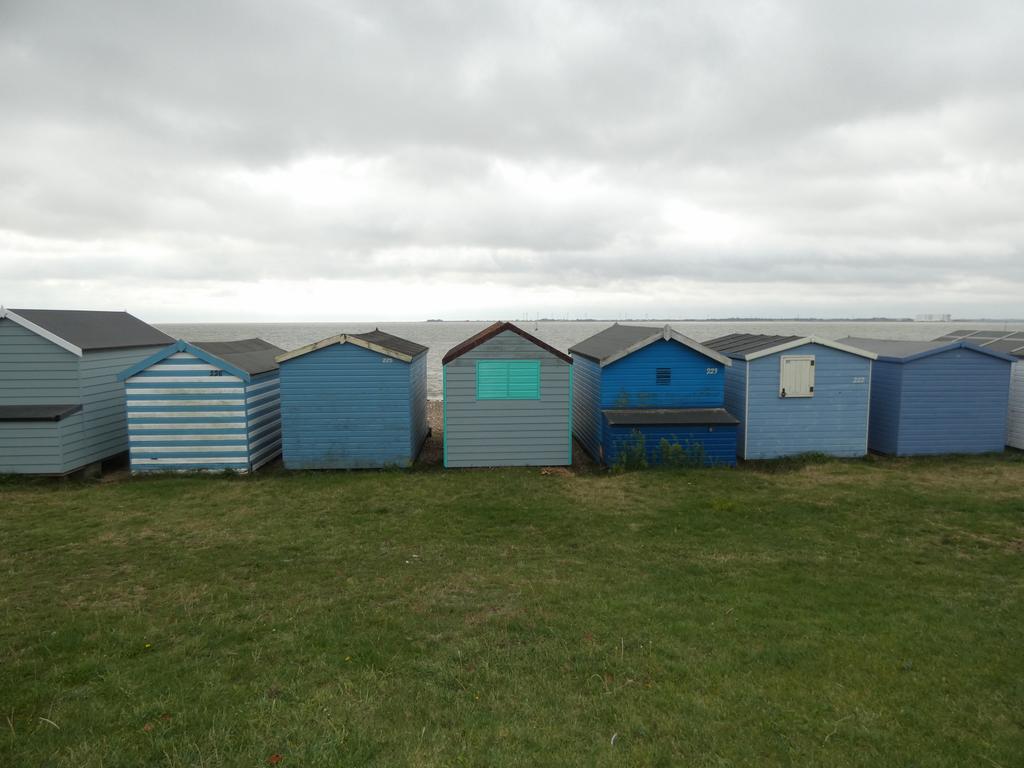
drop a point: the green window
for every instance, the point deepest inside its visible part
(508, 380)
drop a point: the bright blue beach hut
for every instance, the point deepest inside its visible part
(930, 397)
(61, 405)
(637, 381)
(354, 401)
(204, 406)
(797, 394)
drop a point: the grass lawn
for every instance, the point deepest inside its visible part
(865, 613)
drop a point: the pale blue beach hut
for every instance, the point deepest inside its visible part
(61, 405)
(797, 394)
(931, 397)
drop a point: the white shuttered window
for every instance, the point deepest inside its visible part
(796, 377)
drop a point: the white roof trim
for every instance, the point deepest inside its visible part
(668, 334)
(810, 340)
(40, 331)
(343, 338)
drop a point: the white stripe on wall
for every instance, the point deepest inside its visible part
(187, 414)
(147, 450)
(185, 391)
(199, 377)
(200, 425)
(182, 438)
(183, 403)
(263, 385)
(198, 460)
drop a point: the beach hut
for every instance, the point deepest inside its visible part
(797, 394)
(61, 405)
(639, 384)
(204, 406)
(930, 397)
(507, 401)
(354, 401)
(1011, 343)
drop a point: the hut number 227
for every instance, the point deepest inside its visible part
(711, 371)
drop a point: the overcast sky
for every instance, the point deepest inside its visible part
(403, 160)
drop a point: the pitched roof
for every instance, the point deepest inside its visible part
(903, 351)
(489, 333)
(616, 341)
(390, 341)
(81, 331)
(254, 356)
(671, 416)
(244, 358)
(750, 346)
(1010, 342)
(375, 340)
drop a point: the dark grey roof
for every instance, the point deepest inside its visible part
(907, 351)
(394, 343)
(612, 340)
(37, 412)
(893, 347)
(673, 416)
(92, 330)
(1009, 342)
(254, 356)
(738, 344)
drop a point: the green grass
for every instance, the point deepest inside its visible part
(865, 613)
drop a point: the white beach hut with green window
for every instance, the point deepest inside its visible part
(507, 401)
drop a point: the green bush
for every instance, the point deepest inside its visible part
(633, 453)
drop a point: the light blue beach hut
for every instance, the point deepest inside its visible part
(204, 406)
(797, 394)
(931, 397)
(634, 383)
(354, 401)
(61, 405)
(1010, 343)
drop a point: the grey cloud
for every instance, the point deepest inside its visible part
(868, 144)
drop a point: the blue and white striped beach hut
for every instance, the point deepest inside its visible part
(204, 405)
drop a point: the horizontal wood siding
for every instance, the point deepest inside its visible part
(833, 421)
(31, 447)
(736, 398)
(345, 407)
(493, 433)
(263, 418)
(631, 381)
(104, 424)
(586, 405)
(954, 402)
(718, 442)
(418, 405)
(1015, 421)
(34, 371)
(182, 418)
(884, 420)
